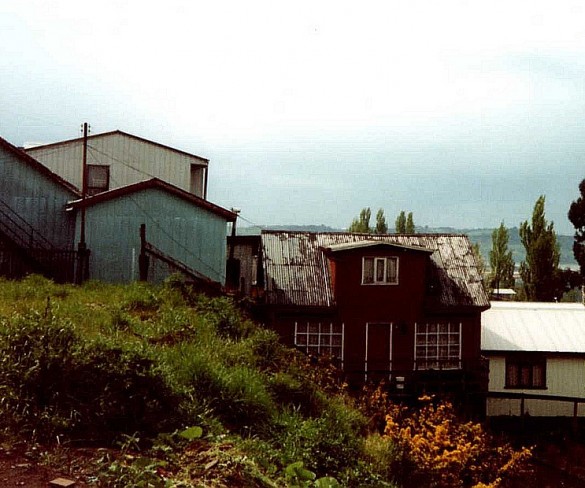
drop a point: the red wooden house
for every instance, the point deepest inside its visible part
(405, 308)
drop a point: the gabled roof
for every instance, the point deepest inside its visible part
(115, 132)
(32, 162)
(150, 184)
(534, 327)
(297, 271)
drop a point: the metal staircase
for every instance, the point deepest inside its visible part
(36, 253)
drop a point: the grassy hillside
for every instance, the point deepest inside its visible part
(178, 390)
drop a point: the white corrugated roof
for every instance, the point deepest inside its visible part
(529, 326)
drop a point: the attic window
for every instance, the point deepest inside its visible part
(98, 178)
(380, 271)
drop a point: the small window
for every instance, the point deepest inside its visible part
(98, 178)
(380, 271)
(526, 372)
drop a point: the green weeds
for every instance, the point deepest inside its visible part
(104, 363)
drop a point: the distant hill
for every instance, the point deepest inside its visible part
(483, 237)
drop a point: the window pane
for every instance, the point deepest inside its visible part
(368, 271)
(391, 270)
(380, 270)
(537, 376)
(512, 375)
(98, 177)
(525, 375)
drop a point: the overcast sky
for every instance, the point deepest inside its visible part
(463, 112)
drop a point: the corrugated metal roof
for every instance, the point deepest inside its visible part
(297, 272)
(534, 327)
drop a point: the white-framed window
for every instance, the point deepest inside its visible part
(98, 178)
(380, 271)
(320, 338)
(437, 346)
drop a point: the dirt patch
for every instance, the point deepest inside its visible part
(33, 467)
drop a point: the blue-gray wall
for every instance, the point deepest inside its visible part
(189, 234)
(37, 198)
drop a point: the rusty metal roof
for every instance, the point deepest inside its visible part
(297, 272)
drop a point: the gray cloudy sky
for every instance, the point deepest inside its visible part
(463, 112)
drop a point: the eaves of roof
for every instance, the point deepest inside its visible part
(158, 184)
(28, 159)
(117, 132)
(348, 246)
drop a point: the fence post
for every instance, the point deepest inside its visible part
(575, 418)
(143, 260)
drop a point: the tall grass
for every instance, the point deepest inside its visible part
(98, 362)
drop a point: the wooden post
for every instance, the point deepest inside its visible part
(575, 418)
(82, 270)
(143, 259)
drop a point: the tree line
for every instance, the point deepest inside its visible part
(404, 223)
(542, 279)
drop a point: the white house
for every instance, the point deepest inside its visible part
(535, 349)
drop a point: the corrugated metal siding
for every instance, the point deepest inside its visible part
(298, 273)
(37, 199)
(131, 160)
(191, 235)
(536, 327)
(564, 377)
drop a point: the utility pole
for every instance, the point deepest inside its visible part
(82, 252)
(83, 185)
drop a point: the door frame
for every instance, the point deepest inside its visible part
(390, 349)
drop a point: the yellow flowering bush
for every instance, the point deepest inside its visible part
(439, 450)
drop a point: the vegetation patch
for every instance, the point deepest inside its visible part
(172, 388)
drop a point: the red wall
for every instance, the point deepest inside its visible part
(401, 305)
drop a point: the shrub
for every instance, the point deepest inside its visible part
(53, 383)
(439, 450)
(225, 317)
(325, 445)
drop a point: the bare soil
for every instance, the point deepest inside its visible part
(32, 467)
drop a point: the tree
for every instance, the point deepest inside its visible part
(410, 224)
(577, 218)
(381, 226)
(501, 262)
(540, 269)
(361, 225)
(404, 224)
(400, 225)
